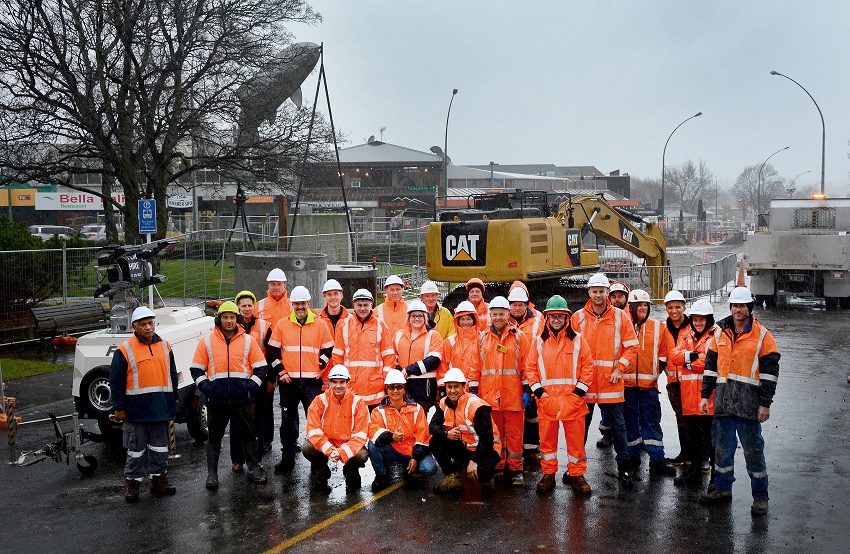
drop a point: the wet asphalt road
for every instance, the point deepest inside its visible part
(50, 507)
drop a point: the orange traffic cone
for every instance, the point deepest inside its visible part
(741, 282)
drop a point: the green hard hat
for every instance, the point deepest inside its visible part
(556, 304)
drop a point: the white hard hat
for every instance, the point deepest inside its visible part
(639, 295)
(416, 306)
(363, 294)
(701, 307)
(428, 287)
(332, 284)
(500, 302)
(465, 306)
(598, 280)
(454, 375)
(674, 295)
(393, 280)
(276, 274)
(394, 377)
(299, 294)
(142, 313)
(618, 286)
(518, 295)
(339, 371)
(739, 295)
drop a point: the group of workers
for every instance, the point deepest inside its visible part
(498, 381)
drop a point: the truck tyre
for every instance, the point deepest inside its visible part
(95, 394)
(196, 419)
(845, 303)
(832, 302)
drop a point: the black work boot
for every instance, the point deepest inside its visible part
(352, 477)
(212, 466)
(625, 476)
(286, 464)
(253, 472)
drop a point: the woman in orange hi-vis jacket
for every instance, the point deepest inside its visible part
(463, 349)
(560, 380)
(690, 355)
(418, 353)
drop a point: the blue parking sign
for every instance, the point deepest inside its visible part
(147, 217)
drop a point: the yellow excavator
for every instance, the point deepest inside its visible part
(506, 236)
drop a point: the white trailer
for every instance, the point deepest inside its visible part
(804, 252)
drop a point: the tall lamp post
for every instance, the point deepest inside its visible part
(664, 156)
(790, 190)
(758, 196)
(823, 131)
(446, 146)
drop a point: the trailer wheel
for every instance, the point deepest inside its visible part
(91, 466)
(196, 419)
(95, 393)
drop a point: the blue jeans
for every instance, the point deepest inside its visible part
(381, 455)
(613, 414)
(642, 412)
(726, 432)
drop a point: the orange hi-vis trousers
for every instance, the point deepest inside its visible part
(511, 425)
(574, 435)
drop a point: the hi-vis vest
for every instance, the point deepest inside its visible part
(148, 367)
(652, 349)
(467, 405)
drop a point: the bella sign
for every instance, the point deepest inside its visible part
(71, 201)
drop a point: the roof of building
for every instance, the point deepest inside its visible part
(383, 152)
(550, 170)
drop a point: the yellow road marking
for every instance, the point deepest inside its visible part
(331, 520)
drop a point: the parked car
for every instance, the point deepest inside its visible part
(46, 232)
(97, 231)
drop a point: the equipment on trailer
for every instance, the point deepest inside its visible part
(66, 444)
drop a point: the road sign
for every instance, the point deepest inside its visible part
(147, 217)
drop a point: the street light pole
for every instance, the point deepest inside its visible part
(790, 190)
(758, 196)
(823, 131)
(446, 145)
(664, 155)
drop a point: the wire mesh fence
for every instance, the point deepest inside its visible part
(201, 267)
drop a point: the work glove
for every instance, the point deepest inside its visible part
(694, 356)
(526, 400)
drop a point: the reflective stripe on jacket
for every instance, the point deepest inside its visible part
(426, 351)
(673, 337)
(366, 349)
(482, 318)
(613, 343)
(692, 372)
(532, 324)
(652, 349)
(301, 346)
(564, 364)
(259, 330)
(411, 420)
(461, 351)
(227, 372)
(462, 417)
(341, 424)
(273, 310)
(393, 314)
(505, 361)
(143, 380)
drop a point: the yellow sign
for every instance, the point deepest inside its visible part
(20, 197)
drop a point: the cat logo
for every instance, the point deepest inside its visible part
(628, 235)
(462, 247)
(464, 243)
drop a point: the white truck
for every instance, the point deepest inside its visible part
(805, 252)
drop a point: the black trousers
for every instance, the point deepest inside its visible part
(452, 455)
(240, 417)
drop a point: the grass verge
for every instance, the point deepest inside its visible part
(15, 368)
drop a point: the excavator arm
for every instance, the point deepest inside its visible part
(594, 214)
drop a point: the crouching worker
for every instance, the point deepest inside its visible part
(463, 436)
(399, 432)
(229, 368)
(143, 382)
(337, 423)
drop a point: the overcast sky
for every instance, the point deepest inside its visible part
(598, 83)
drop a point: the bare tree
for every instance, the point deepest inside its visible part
(124, 88)
(757, 195)
(646, 190)
(691, 183)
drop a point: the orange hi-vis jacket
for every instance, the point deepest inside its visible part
(393, 314)
(483, 316)
(692, 371)
(223, 370)
(564, 366)
(143, 380)
(425, 352)
(462, 351)
(673, 370)
(304, 349)
(273, 310)
(463, 418)
(506, 361)
(323, 315)
(411, 420)
(341, 424)
(259, 330)
(652, 350)
(366, 349)
(532, 325)
(613, 343)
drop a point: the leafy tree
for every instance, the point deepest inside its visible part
(126, 87)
